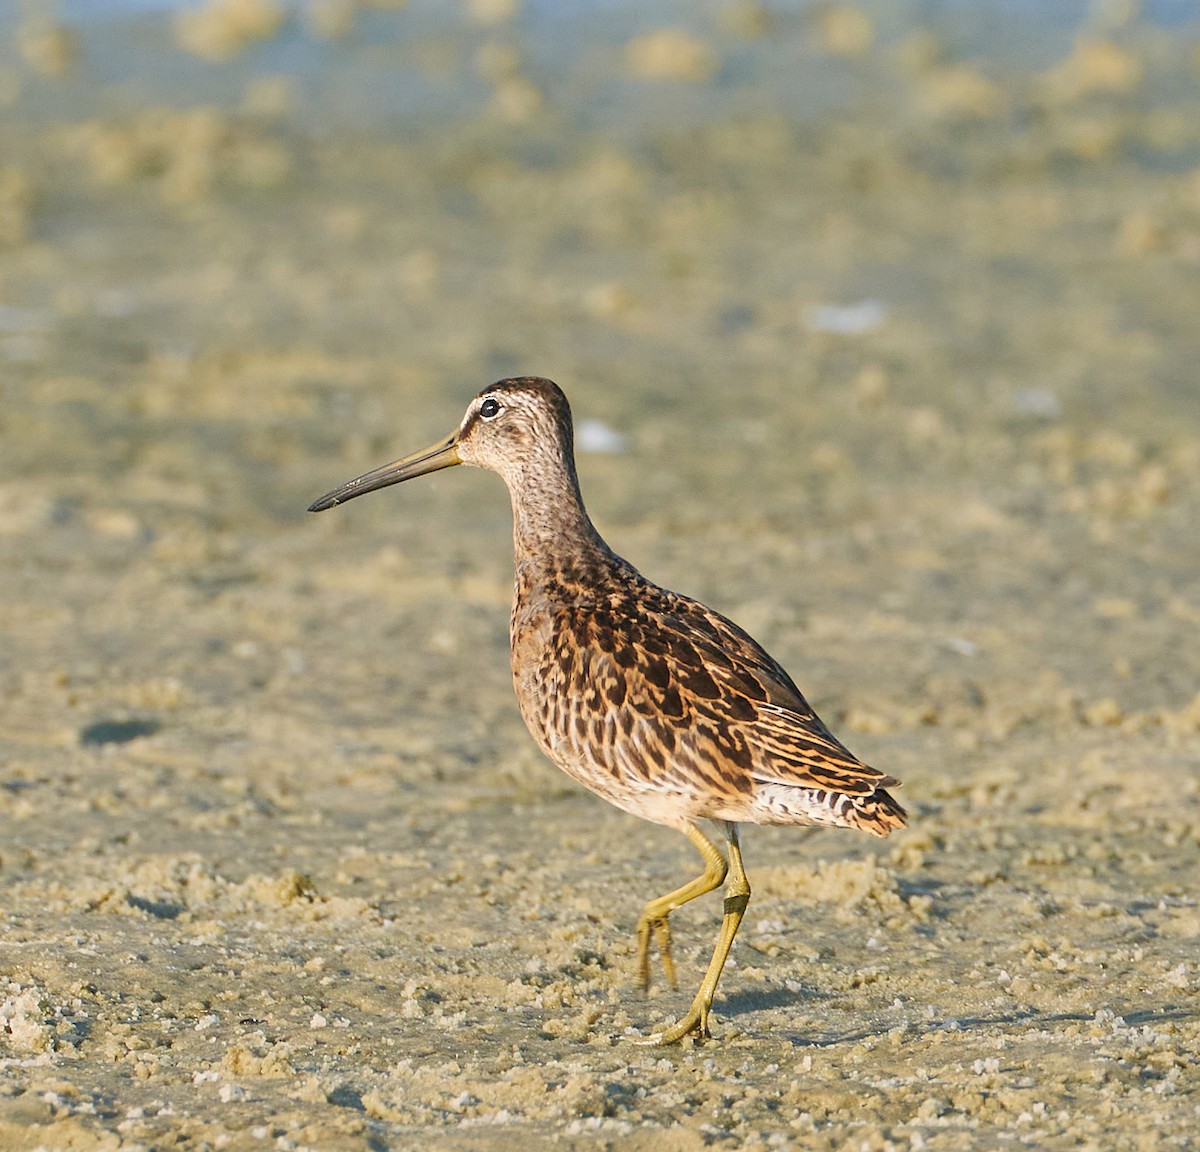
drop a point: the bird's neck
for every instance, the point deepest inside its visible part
(551, 526)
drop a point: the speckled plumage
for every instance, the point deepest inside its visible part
(656, 703)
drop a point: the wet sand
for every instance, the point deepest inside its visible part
(902, 378)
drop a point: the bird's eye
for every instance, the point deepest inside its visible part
(490, 408)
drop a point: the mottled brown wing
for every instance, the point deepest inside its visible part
(680, 691)
(787, 739)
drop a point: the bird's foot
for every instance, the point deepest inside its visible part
(660, 927)
(694, 1023)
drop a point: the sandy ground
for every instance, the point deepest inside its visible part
(904, 382)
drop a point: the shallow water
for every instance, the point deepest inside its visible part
(892, 327)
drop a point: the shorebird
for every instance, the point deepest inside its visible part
(656, 703)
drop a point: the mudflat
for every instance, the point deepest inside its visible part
(881, 339)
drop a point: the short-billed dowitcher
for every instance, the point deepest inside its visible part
(653, 701)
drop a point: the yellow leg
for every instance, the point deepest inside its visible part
(737, 896)
(654, 917)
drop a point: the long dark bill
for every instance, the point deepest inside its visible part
(443, 454)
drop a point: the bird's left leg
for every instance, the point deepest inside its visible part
(737, 896)
(654, 917)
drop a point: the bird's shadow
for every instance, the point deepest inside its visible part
(763, 999)
(744, 1002)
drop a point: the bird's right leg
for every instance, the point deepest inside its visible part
(737, 896)
(654, 917)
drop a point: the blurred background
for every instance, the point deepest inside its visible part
(880, 324)
(907, 284)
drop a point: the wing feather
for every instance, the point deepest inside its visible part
(683, 690)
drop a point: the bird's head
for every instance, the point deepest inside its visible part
(506, 428)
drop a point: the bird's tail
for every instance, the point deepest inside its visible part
(877, 813)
